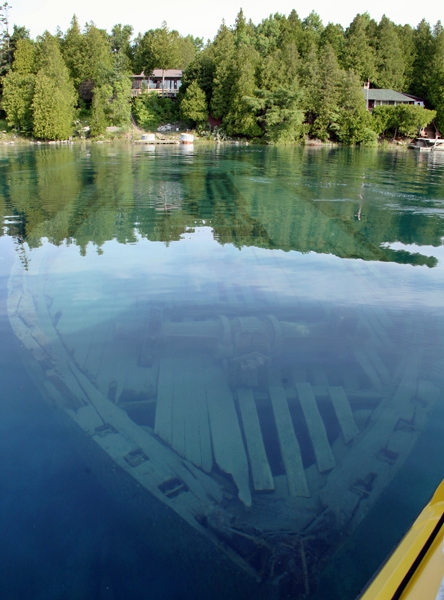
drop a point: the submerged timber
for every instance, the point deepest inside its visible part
(227, 416)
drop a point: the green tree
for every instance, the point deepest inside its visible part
(224, 51)
(54, 96)
(239, 119)
(99, 120)
(188, 48)
(18, 93)
(291, 29)
(383, 119)
(98, 64)
(269, 34)
(389, 57)
(120, 102)
(200, 70)
(353, 118)
(244, 33)
(410, 119)
(193, 106)
(151, 110)
(424, 56)
(281, 113)
(406, 36)
(405, 119)
(25, 57)
(333, 35)
(436, 72)
(121, 46)
(326, 95)
(5, 44)
(358, 55)
(158, 49)
(312, 29)
(73, 53)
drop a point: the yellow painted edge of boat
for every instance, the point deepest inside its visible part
(390, 578)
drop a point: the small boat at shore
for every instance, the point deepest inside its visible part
(427, 144)
(229, 417)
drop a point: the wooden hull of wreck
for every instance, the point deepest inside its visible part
(211, 386)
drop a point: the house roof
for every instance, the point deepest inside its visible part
(172, 73)
(385, 95)
(168, 73)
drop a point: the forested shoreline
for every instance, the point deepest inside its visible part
(282, 80)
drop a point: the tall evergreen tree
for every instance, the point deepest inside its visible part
(5, 40)
(99, 120)
(18, 87)
(333, 35)
(312, 29)
(353, 118)
(436, 70)
(200, 70)
(389, 57)
(244, 33)
(98, 64)
(54, 96)
(72, 51)
(358, 55)
(424, 55)
(25, 57)
(327, 95)
(407, 43)
(224, 75)
(240, 120)
(193, 106)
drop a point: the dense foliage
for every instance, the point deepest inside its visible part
(280, 80)
(288, 77)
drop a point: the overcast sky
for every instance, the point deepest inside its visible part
(202, 18)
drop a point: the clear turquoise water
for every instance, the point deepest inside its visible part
(347, 242)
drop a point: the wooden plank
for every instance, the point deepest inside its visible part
(164, 406)
(178, 410)
(185, 384)
(288, 443)
(260, 469)
(190, 403)
(102, 334)
(380, 367)
(228, 447)
(339, 493)
(344, 413)
(316, 428)
(368, 368)
(206, 451)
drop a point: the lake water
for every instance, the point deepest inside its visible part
(221, 368)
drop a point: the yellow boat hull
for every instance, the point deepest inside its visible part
(415, 570)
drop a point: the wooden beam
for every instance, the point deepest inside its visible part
(343, 412)
(228, 446)
(368, 368)
(260, 469)
(164, 406)
(290, 450)
(316, 428)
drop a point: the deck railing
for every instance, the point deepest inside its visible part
(167, 92)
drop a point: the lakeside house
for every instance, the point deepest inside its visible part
(381, 97)
(153, 83)
(375, 97)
